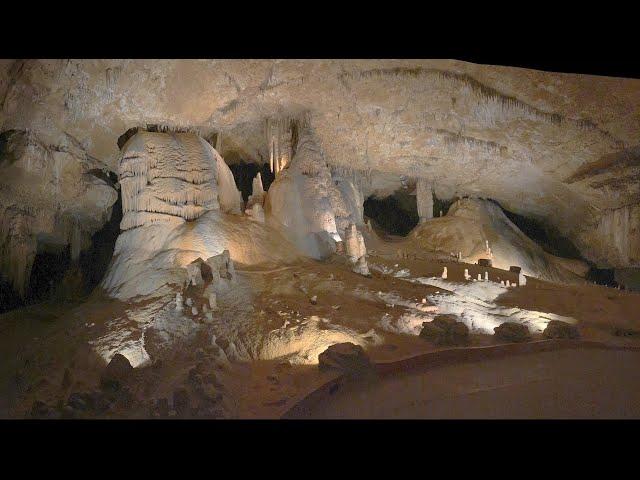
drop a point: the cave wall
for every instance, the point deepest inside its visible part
(52, 197)
(560, 147)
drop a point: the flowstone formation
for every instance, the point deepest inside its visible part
(51, 196)
(482, 233)
(180, 203)
(313, 207)
(474, 130)
(167, 177)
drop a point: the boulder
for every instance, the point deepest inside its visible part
(445, 330)
(118, 371)
(347, 357)
(484, 262)
(431, 332)
(512, 332)
(559, 329)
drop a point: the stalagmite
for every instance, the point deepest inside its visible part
(179, 304)
(356, 250)
(486, 276)
(424, 200)
(466, 274)
(479, 277)
(487, 249)
(256, 212)
(444, 273)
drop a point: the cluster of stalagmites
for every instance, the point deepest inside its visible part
(205, 280)
(315, 204)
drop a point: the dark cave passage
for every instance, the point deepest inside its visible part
(442, 206)
(544, 235)
(244, 173)
(95, 260)
(55, 277)
(396, 214)
(602, 276)
(554, 243)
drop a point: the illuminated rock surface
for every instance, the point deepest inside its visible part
(213, 308)
(543, 145)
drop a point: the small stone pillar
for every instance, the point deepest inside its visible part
(424, 200)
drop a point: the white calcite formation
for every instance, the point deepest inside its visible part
(471, 220)
(480, 130)
(305, 200)
(356, 250)
(257, 192)
(424, 199)
(444, 273)
(51, 195)
(278, 132)
(165, 176)
(254, 207)
(161, 235)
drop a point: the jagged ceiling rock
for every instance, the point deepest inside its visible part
(559, 147)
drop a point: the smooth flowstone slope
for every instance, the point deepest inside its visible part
(473, 224)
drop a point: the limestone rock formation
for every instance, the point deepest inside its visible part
(512, 332)
(169, 176)
(356, 250)
(118, 370)
(51, 195)
(473, 130)
(424, 199)
(306, 202)
(470, 222)
(445, 330)
(175, 192)
(560, 329)
(346, 357)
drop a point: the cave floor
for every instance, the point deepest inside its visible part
(262, 373)
(566, 384)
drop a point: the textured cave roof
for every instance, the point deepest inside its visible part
(562, 147)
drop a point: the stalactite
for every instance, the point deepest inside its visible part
(279, 134)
